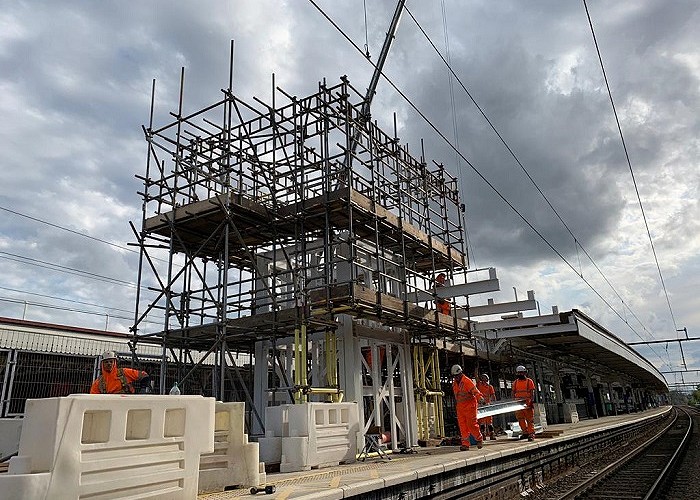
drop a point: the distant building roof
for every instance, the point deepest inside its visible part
(49, 337)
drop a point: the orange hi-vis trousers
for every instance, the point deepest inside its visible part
(526, 419)
(466, 419)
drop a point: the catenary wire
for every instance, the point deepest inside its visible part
(55, 267)
(629, 164)
(478, 173)
(63, 299)
(67, 229)
(41, 221)
(577, 243)
(455, 129)
(64, 269)
(527, 173)
(67, 309)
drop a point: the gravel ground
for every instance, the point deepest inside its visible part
(686, 485)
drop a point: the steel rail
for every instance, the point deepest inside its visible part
(656, 487)
(538, 460)
(618, 465)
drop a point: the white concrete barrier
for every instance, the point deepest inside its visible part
(111, 446)
(235, 461)
(310, 435)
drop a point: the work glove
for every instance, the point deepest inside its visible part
(482, 401)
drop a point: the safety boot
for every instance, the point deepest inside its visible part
(531, 437)
(492, 436)
(464, 448)
(479, 444)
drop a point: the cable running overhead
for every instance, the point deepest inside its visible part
(532, 180)
(478, 173)
(629, 164)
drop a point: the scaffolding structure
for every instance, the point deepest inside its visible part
(265, 224)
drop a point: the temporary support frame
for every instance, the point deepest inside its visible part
(264, 224)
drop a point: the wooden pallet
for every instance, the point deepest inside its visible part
(549, 434)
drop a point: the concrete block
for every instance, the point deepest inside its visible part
(235, 461)
(111, 446)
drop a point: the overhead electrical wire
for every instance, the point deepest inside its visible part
(69, 309)
(537, 187)
(68, 270)
(64, 269)
(629, 164)
(67, 229)
(476, 171)
(455, 129)
(527, 173)
(63, 299)
(84, 235)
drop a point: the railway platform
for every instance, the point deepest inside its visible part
(504, 467)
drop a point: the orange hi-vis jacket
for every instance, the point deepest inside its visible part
(487, 391)
(489, 394)
(118, 381)
(467, 395)
(465, 391)
(523, 389)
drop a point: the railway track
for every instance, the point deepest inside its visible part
(641, 473)
(530, 473)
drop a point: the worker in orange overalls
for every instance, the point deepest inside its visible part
(466, 396)
(489, 393)
(115, 380)
(443, 305)
(524, 388)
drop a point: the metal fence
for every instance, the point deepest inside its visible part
(33, 375)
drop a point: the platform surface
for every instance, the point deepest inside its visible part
(346, 480)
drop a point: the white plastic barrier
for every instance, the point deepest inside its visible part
(111, 446)
(10, 430)
(311, 435)
(235, 461)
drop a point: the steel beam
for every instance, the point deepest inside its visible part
(500, 308)
(500, 407)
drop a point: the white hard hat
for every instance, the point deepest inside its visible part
(456, 370)
(109, 355)
(520, 368)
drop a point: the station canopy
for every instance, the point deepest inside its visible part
(574, 338)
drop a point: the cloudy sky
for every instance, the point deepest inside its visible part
(75, 85)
